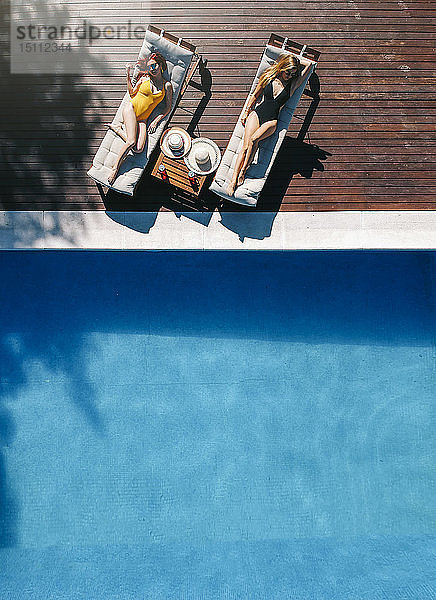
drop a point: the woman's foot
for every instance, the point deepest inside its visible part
(118, 130)
(231, 188)
(241, 178)
(112, 176)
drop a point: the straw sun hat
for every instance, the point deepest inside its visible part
(175, 142)
(203, 157)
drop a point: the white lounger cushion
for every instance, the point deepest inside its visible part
(178, 61)
(248, 192)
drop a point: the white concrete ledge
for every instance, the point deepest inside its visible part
(226, 231)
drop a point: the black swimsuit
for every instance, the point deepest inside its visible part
(269, 108)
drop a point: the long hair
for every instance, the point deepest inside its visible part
(286, 62)
(142, 62)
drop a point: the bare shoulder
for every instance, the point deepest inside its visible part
(307, 65)
(169, 90)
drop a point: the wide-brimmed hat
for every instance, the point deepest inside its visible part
(175, 142)
(204, 156)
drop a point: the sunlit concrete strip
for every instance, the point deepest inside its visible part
(227, 231)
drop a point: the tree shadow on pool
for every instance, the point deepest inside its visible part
(11, 379)
(64, 354)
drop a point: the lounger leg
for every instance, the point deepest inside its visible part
(101, 191)
(308, 119)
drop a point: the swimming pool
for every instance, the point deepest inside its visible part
(217, 424)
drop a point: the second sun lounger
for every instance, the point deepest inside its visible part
(182, 62)
(248, 193)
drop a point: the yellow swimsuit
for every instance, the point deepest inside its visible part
(144, 101)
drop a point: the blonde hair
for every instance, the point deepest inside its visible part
(286, 62)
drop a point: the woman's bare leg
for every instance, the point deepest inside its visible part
(142, 136)
(131, 126)
(261, 133)
(118, 130)
(251, 125)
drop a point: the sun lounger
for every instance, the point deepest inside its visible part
(248, 192)
(182, 62)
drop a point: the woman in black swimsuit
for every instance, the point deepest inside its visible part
(277, 84)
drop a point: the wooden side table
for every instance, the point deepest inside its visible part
(177, 173)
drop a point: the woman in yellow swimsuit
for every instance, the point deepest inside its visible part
(150, 89)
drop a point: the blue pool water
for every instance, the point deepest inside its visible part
(217, 425)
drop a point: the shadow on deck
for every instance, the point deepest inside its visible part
(46, 145)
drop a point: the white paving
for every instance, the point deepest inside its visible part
(226, 231)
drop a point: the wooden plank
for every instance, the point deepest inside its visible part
(177, 173)
(377, 116)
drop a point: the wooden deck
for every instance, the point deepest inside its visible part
(374, 127)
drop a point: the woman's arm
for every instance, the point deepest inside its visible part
(307, 65)
(252, 99)
(129, 81)
(169, 100)
(299, 80)
(132, 90)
